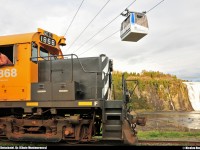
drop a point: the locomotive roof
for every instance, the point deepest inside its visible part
(29, 37)
(16, 38)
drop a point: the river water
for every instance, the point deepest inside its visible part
(178, 121)
(172, 121)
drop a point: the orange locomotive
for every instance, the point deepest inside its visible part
(46, 96)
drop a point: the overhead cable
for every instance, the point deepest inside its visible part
(100, 42)
(88, 24)
(155, 6)
(117, 31)
(102, 29)
(74, 17)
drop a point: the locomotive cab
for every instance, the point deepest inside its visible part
(134, 27)
(19, 48)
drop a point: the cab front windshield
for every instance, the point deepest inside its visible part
(46, 55)
(43, 53)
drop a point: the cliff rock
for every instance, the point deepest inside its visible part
(154, 91)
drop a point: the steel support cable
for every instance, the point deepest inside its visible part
(89, 24)
(102, 29)
(131, 4)
(74, 17)
(145, 12)
(95, 34)
(152, 8)
(100, 42)
(118, 30)
(155, 6)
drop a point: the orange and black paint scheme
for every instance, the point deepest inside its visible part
(15, 79)
(46, 96)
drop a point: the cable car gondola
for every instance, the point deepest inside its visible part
(134, 27)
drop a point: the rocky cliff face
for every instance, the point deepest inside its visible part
(156, 91)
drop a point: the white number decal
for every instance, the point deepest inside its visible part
(1, 73)
(13, 73)
(8, 73)
(47, 40)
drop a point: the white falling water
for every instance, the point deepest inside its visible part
(194, 94)
(172, 105)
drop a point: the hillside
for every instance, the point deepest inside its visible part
(153, 91)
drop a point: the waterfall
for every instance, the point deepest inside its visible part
(172, 105)
(194, 94)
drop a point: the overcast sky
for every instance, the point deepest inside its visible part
(172, 45)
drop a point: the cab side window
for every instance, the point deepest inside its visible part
(34, 52)
(6, 55)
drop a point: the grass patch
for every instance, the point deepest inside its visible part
(168, 135)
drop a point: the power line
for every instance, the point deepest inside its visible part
(117, 30)
(155, 6)
(96, 34)
(89, 24)
(74, 17)
(102, 29)
(100, 42)
(130, 4)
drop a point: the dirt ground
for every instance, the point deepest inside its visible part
(172, 121)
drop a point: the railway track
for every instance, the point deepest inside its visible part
(4, 142)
